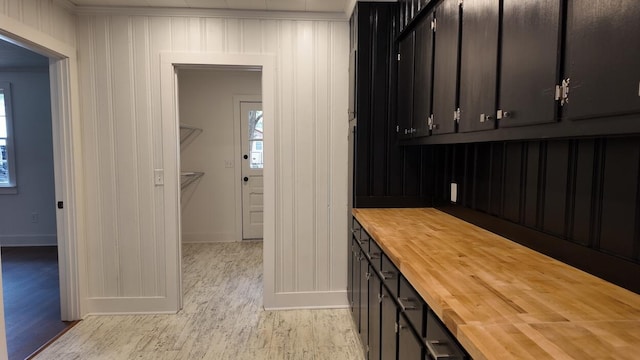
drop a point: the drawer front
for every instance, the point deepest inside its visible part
(390, 275)
(412, 305)
(440, 343)
(375, 255)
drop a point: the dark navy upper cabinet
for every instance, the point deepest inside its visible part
(529, 62)
(446, 61)
(406, 48)
(423, 68)
(602, 58)
(479, 64)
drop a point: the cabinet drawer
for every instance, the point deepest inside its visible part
(412, 305)
(390, 275)
(439, 341)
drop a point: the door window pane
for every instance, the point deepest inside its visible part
(255, 140)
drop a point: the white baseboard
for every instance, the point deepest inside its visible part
(309, 300)
(130, 306)
(209, 238)
(29, 240)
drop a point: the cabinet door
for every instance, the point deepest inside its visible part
(423, 65)
(479, 64)
(529, 67)
(602, 58)
(405, 85)
(375, 286)
(364, 300)
(350, 274)
(355, 270)
(446, 60)
(388, 320)
(409, 345)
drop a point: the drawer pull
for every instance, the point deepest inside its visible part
(386, 275)
(432, 351)
(404, 307)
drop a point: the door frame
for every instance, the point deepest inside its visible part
(67, 159)
(169, 62)
(237, 116)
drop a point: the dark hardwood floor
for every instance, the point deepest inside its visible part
(31, 298)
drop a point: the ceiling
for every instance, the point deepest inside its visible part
(13, 56)
(269, 5)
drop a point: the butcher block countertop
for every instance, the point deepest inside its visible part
(500, 299)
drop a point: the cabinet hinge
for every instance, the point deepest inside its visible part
(397, 128)
(398, 56)
(367, 348)
(558, 92)
(379, 298)
(434, 24)
(456, 116)
(396, 327)
(565, 92)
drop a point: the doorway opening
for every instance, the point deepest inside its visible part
(221, 145)
(28, 220)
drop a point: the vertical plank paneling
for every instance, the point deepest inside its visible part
(214, 34)
(123, 117)
(512, 181)
(233, 32)
(15, 9)
(497, 178)
(482, 183)
(251, 37)
(269, 34)
(106, 165)
(321, 81)
(194, 34)
(30, 14)
(126, 166)
(555, 190)
(532, 184)
(583, 195)
(286, 251)
(179, 34)
(93, 186)
(305, 142)
(619, 196)
(144, 152)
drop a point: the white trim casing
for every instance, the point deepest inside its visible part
(171, 162)
(67, 157)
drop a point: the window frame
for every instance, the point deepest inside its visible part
(12, 186)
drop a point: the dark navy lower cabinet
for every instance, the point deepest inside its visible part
(410, 344)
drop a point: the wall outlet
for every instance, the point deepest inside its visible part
(228, 164)
(454, 193)
(35, 217)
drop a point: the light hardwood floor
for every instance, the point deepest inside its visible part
(222, 319)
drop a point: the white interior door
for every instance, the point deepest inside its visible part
(251, 129)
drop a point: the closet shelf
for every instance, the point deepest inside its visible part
(189, 177)
(188, 131)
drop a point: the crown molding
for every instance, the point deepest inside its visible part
(211, 13)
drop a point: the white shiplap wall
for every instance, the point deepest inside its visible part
(119, 65)
(46, 16)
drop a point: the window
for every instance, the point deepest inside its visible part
(255, 139)
(7, 165)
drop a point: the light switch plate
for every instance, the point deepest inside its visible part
(158, 177)
(454, 193)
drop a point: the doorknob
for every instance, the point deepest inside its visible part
(245, 179)
(246, 157)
